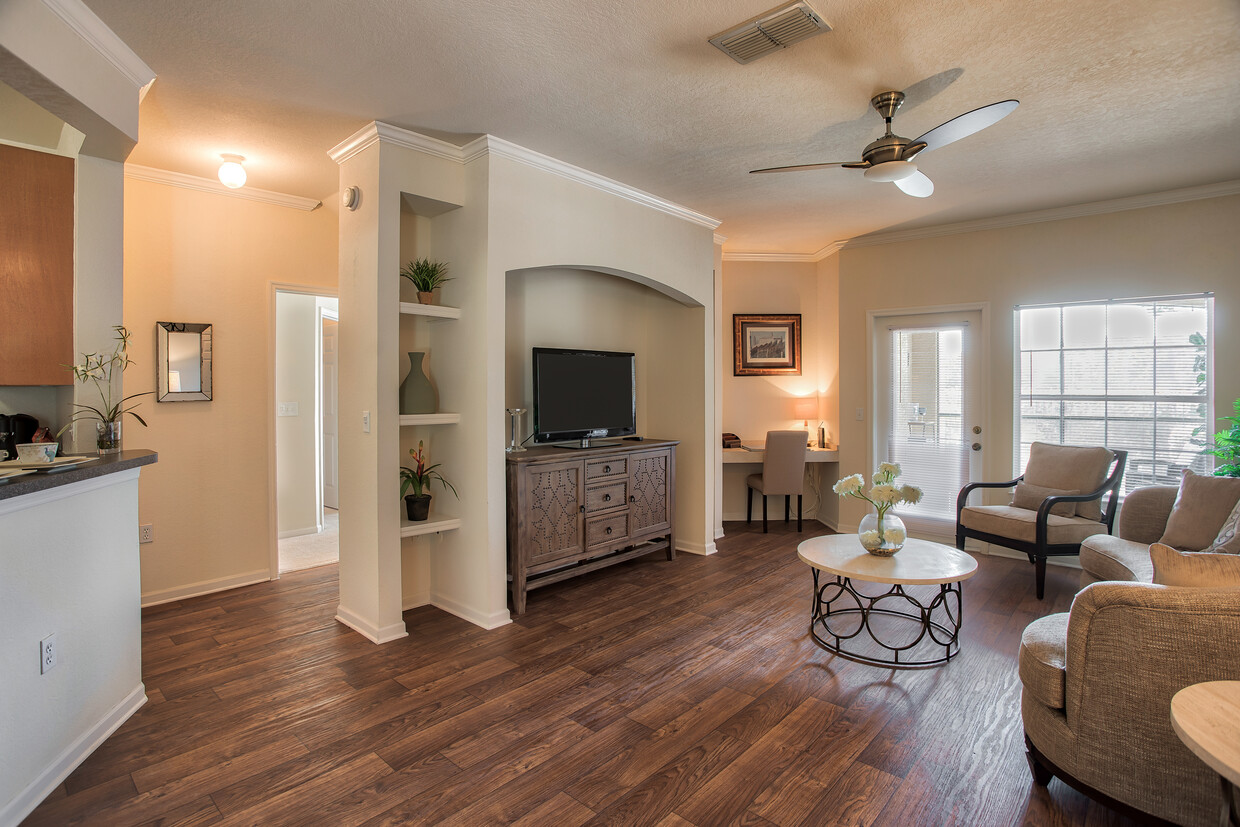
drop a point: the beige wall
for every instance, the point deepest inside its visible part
(200, 257)
(296, 367)
(1181, 248)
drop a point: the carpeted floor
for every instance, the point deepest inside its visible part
(310, 550)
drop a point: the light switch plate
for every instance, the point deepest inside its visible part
(860, 414)
(287, 409)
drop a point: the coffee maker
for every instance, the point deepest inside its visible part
(15, 429)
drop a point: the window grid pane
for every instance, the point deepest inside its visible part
(1128, 375)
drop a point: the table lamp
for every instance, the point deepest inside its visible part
(805, 409)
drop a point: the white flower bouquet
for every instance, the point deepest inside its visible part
(884, 494)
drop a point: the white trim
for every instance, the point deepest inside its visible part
(377, 131)
(487, 621)
(700, 549)
(408, 528)
(417, 600)
(73, 755)
(193, 182)
(819, 255)
(430, 419)
(87, 25)
(368, 630)
(438, 311)
(719, 239)
(1135, 202)
(299, 532)
(219, 584)
(48, 495)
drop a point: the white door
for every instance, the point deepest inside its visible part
(928, 409)
(331, 418)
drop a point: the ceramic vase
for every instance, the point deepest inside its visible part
(418, 507)
(881, 536)
(416, 394)
(108, 437)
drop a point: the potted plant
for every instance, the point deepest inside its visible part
(104, 369)
(1227, 446)
(426, 275)
(419, 478)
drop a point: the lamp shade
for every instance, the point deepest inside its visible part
(806, 408)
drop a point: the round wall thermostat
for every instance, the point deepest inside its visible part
(352, 197)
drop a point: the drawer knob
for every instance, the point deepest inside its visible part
(582, 509)
(607, 498)
(606, 469)
(632, 498)
(609, 529)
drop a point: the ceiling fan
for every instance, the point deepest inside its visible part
(890, 158)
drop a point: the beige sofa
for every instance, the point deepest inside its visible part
(1098, 680)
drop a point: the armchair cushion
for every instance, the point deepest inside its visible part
(1030, 496)
(1104, 557)
(1043, 656)
(1021, 524)
(1069, 467)
(1190, 568)
(1201, 508)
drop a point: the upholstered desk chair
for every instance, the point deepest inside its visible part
(1057, 504)
(783, 472)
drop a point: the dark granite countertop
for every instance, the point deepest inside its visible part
(43, 480)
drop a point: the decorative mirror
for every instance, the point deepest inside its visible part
(183, 362)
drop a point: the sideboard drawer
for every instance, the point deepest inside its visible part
(607, 496)
(610, 529)
(610, 467)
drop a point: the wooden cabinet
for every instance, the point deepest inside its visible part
(572, 511)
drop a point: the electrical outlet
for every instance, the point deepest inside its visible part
(47, 653)
(860, 414)
(146, 533)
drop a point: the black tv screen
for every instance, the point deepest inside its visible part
(583, 394)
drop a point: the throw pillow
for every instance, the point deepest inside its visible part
(1190, 568)
(1031, 496)
(1200, 509)
(1228, 539)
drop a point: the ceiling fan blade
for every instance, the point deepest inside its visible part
(966, 124)
(916, 185)
(801, 167)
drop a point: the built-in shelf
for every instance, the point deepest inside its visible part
(430, 419)
(437, 311)
(412, 529)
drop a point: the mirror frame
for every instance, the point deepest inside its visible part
(163, 394)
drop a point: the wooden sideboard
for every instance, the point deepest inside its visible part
(573, 511)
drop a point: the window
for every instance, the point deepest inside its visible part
(1131, 374)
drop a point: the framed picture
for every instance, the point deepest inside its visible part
(766, 345)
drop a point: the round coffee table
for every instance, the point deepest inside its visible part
(920, 562)
(1206, 716)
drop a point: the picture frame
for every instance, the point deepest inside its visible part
(766, 344)
(183, 362)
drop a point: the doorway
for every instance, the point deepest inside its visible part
(929, 408)
(306, 429)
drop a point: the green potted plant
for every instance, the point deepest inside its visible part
(1227, 446)
(419, 478)
(104, 369)
(426, 275)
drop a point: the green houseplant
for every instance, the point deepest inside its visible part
(1227, 446)
(419, 478)
(105, 370)
(426, 275)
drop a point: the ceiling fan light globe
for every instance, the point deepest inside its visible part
(891, 171)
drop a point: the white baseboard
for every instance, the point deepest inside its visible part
(416, 600)
(41, 787)
(718, 531)
(368, 630)
(696, 548)
(205, 587)
(771, 516)
(298, 532)
(491, 621)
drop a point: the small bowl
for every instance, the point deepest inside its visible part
(37, 451)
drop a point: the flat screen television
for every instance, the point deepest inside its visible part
(583, 394)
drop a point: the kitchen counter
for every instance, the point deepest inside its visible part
(43, 480)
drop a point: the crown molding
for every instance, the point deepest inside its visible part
(1134, 202)
(193, 182)
(355, 143)
(814, 257)
(719, 239)
(103, 40)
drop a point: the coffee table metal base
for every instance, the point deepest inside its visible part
(832, 600)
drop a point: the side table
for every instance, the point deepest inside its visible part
(1206, 716)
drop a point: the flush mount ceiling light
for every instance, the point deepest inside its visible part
(232, 174)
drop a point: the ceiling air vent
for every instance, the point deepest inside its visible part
(777, 29)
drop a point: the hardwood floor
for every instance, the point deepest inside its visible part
(661, 693)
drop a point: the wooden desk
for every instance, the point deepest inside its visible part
(737, 456)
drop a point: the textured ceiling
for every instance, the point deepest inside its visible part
(1117, 98)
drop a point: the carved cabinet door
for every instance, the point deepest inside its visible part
(650, 487)
(554, 512)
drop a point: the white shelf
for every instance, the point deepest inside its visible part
(437, 311)
(412, 529)
(430, 419)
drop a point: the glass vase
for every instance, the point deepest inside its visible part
(883, 535)
(108, 437)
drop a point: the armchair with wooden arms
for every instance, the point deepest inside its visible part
(1058, 502)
